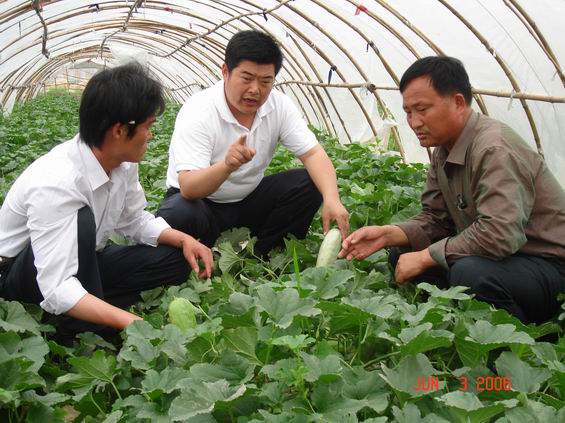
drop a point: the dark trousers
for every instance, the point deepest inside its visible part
(525, 286)
(116, 274)
(281, 204)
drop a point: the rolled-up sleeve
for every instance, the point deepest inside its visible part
(53, 233)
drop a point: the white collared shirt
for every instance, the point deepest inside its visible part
(205, 128)
(42, 205)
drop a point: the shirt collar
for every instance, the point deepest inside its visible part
(95, 173)
(224, 110)
(459, 150)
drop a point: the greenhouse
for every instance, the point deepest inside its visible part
(281, 331)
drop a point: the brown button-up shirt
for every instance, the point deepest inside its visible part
(492, 195)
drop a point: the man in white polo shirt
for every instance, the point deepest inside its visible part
(224, 139)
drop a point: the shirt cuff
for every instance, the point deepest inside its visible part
(417, 237)
(151, 231)
(64, 297)
(437, 251)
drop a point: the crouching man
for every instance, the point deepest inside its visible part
(60, 212)
(493, 215)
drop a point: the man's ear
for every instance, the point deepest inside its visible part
(117, 130)
(225, 71)
(460, 102)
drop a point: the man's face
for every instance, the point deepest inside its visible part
(247, 87)
(437, 120)
(133, 149)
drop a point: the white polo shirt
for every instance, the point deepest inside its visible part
(42, 206)
(205, 128)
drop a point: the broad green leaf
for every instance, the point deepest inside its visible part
(13, 316)
(453, 293)
(165, 381)
(140, 329)
(41, 413)
(236, 237)
(285, 417)
(533, 412)
(295, 343)
(411, 414)
(524, 378)
(366, 386)
(50, 399)
(33, 348)
(152, 412)
(238, 304)
(470, 353)
(283, 306)
(141, 353)
(15, 375)
(200, 399)
(467, 407)
(414, 314)
(409, 372)
(482, 332)
(113, 417)
(95, 341)
(231, 367)
(380, 306)
(326, 368)
(228, 257)
(328, 400)
(325, 282)
(422, 339)
(98, 367)
(174, 344)
(342, 316)
(242, 341)
(287, 370)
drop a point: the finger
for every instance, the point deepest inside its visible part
(246, 152)
(193, 263)
(325, 224)
(207, 258)
(242, 139)
(343, 224)
(399, 277)
(238, 157)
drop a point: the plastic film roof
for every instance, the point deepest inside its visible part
(343, 58)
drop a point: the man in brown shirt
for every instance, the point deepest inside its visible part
(493, 215)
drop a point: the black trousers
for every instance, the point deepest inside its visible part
(282, 203)
(525, 286)
(116, 274)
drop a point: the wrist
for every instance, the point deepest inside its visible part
(427, 259)
(184, 240)
(395, 237)
(227, 169)
(331, 197)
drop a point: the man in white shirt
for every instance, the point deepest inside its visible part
(224, 139)
(62, 209)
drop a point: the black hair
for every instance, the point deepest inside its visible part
(447, 75)
(124, 94)
(255, 46)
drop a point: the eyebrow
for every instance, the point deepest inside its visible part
(261, 77)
